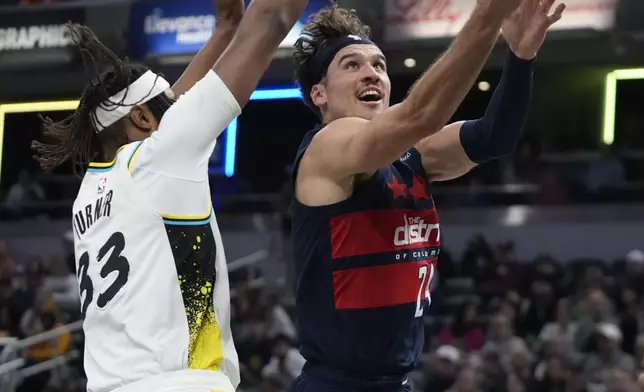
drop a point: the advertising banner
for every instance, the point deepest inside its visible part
(426, 19)
(178, 27)
(37, 37)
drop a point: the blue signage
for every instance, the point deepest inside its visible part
(177, 27)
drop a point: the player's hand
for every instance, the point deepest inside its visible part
(229, 11)
(525, 29)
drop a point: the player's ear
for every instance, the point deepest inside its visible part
(318, 95)
(143, 119)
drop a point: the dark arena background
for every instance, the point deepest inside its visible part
(541, 276)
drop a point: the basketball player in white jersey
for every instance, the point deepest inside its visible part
(150, 261)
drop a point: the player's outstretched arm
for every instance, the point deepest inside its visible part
(187, 134)
(352, 146)
(459, 147)
(229, 14)
(265, 25)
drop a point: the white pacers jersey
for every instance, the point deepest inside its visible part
(149, 255)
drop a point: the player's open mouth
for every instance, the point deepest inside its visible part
(370, 95)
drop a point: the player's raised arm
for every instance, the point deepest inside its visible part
(354, 145)
(459, 147)
(229, 14)
(186, 136)
(266, 24)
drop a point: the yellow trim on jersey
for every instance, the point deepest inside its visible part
(187, 219)
(104, 165)
(130, 163)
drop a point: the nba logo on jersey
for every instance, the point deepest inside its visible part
(354, 37)
(101, 185)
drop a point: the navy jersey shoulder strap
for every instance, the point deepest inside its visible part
(413, 159)
(304, 145)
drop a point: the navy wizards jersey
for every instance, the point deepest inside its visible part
(364, 268)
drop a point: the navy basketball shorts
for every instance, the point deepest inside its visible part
(319, 380)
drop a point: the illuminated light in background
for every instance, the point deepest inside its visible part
(30, 107)
(516, 215)
(484, 86)
(610, 99)
(231, 131)
(410, 62)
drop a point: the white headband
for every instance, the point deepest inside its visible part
(148, 86)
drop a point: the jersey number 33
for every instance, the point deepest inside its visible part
(114, 262)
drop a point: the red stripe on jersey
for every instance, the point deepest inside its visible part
(381, 286)
(380, 231)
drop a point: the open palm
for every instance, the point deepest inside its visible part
(525, 29)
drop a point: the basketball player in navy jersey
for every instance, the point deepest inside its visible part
(365, 230)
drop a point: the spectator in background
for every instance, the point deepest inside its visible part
(64, 284)
(538, 309)
(575, 378)
(552, 191)
(515, 384)
(494, 375)
(551, 377)
(477, 257)
(464, 332)
(7, 264)
(605, 174)
(286, 363)
(442, 369)
(563, 326)
(24, 191)
(526, 163)
(272, 384)
(501, 340)
(41, 317)
(633, 275)
(468, 380)
(6, 323)
(621, 381)
(630, 319)
(521, 362)
(279, 322)
(548, 269)
(254, 349)
(500, 277)
(593, 310)
(608, 355)
(22, 297)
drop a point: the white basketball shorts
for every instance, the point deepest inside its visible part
(182, 381)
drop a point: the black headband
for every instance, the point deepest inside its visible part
(321, 60)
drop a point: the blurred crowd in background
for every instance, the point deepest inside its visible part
(605, 177)
(496, 323)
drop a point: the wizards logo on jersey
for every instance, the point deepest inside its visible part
(382, 256)
(379, 256)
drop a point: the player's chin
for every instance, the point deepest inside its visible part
(369, 110)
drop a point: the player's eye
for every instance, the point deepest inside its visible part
(352, 65)
(380, 65)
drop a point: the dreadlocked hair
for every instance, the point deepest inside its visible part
(76, 138)
(328, 23)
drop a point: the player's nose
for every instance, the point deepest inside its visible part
(370, 73)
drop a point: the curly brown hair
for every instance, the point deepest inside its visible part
(328, 23)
